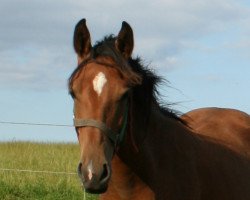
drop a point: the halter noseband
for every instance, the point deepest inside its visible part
(116, 138)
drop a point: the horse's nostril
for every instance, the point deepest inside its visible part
(79, 170)
(105, 174)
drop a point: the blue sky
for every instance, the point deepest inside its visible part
(201, 47)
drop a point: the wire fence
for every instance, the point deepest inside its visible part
(34, 124)
(36, 171)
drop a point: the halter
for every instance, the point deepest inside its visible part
(115, 137)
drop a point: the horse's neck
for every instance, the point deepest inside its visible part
(167, 141)
(177, 164)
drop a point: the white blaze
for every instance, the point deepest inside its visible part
(98, 82)
(90, 174)
(90, 170)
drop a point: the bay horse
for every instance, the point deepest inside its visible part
(125, 131)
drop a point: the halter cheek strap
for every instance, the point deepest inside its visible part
(116, 138)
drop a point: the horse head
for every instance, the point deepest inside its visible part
(100, 86)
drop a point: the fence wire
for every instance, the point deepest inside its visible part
(37, 171)
(34, 124)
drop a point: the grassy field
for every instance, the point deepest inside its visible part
(16, 185)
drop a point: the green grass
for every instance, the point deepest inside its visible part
(16, 185)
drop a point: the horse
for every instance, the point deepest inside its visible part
(129, 139)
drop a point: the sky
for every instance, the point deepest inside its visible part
(201, 47)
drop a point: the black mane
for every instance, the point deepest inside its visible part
(144, 94)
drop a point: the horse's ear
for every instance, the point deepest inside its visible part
(125, 40)
(82, 40)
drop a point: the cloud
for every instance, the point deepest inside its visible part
(33, 68)
(36, 36)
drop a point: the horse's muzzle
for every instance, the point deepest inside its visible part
(96, 184)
